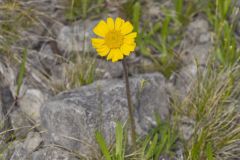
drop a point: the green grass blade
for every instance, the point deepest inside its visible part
(152, 147)
(209, 152)
(119, 141)
(164, 139)
(136, 15)
(164, 34)
(84, 7)
(178, 6)
(144, 145)
(227, 7)
(103, 145)
(22, 71)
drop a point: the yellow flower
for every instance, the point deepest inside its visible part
(116, 39)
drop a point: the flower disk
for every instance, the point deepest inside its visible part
(116, 39)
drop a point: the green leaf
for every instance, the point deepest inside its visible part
(209, 152)
(156, 27)
(136, 15)
(145, 144)
(84, 8)
(164, 34)
(22, 71)
(119, 141)
(103, 145)
(178, 6)
(152, 147)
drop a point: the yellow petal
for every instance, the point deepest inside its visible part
(131, 35)
(126, 48)
(118, 23)
(101, 29)
(118, 55)
(102, 47)
(97, 42)
(103, 54)
(129, 41)
(126, 28)
(110, 55)
(103, 51)
(110, 24)
(132, 46)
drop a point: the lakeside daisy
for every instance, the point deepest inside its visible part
(116, 39)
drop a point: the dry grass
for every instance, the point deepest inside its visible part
(213, 104)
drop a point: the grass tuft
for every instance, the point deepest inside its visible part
(213, 104)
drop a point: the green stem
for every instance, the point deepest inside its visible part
(130, 106)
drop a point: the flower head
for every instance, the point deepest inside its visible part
(116, 39)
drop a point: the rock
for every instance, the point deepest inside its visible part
(197, 46)
(238, 28)
(6, 151)
(180, 153)
(204, 38)
(137, 65)
(6, 96)
(19, 152)
(31, 37)
(186, 128)
(44, 67)
(32, 142)
(52, 153)
(47, 12)
(197, 42)
(73, 117)
(181, 82)
(31, 103)
(7, 76)
(197, 53)
(108, 70)
(76, 38)
(6, 106)
(44, 60)
(20, 123)
(196, 28)
(236, 3)
(153, 9)
(2, 117)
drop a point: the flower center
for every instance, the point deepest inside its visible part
(114, 39)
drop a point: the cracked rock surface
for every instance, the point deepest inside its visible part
(72, 117)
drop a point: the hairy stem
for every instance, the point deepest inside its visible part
(130, 106)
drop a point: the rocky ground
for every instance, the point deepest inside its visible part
(52, 118)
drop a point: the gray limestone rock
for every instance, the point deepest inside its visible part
(7, 75)
(186, 127)
(71, 118)
(20, 123)
(52, 153)
(181, 82)
(6, 106)
(197, 42)
(31, 103)
(32, 142)
(6, 150)
(196, 46)
(108, 70)
(19, 151)
(76, 38)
